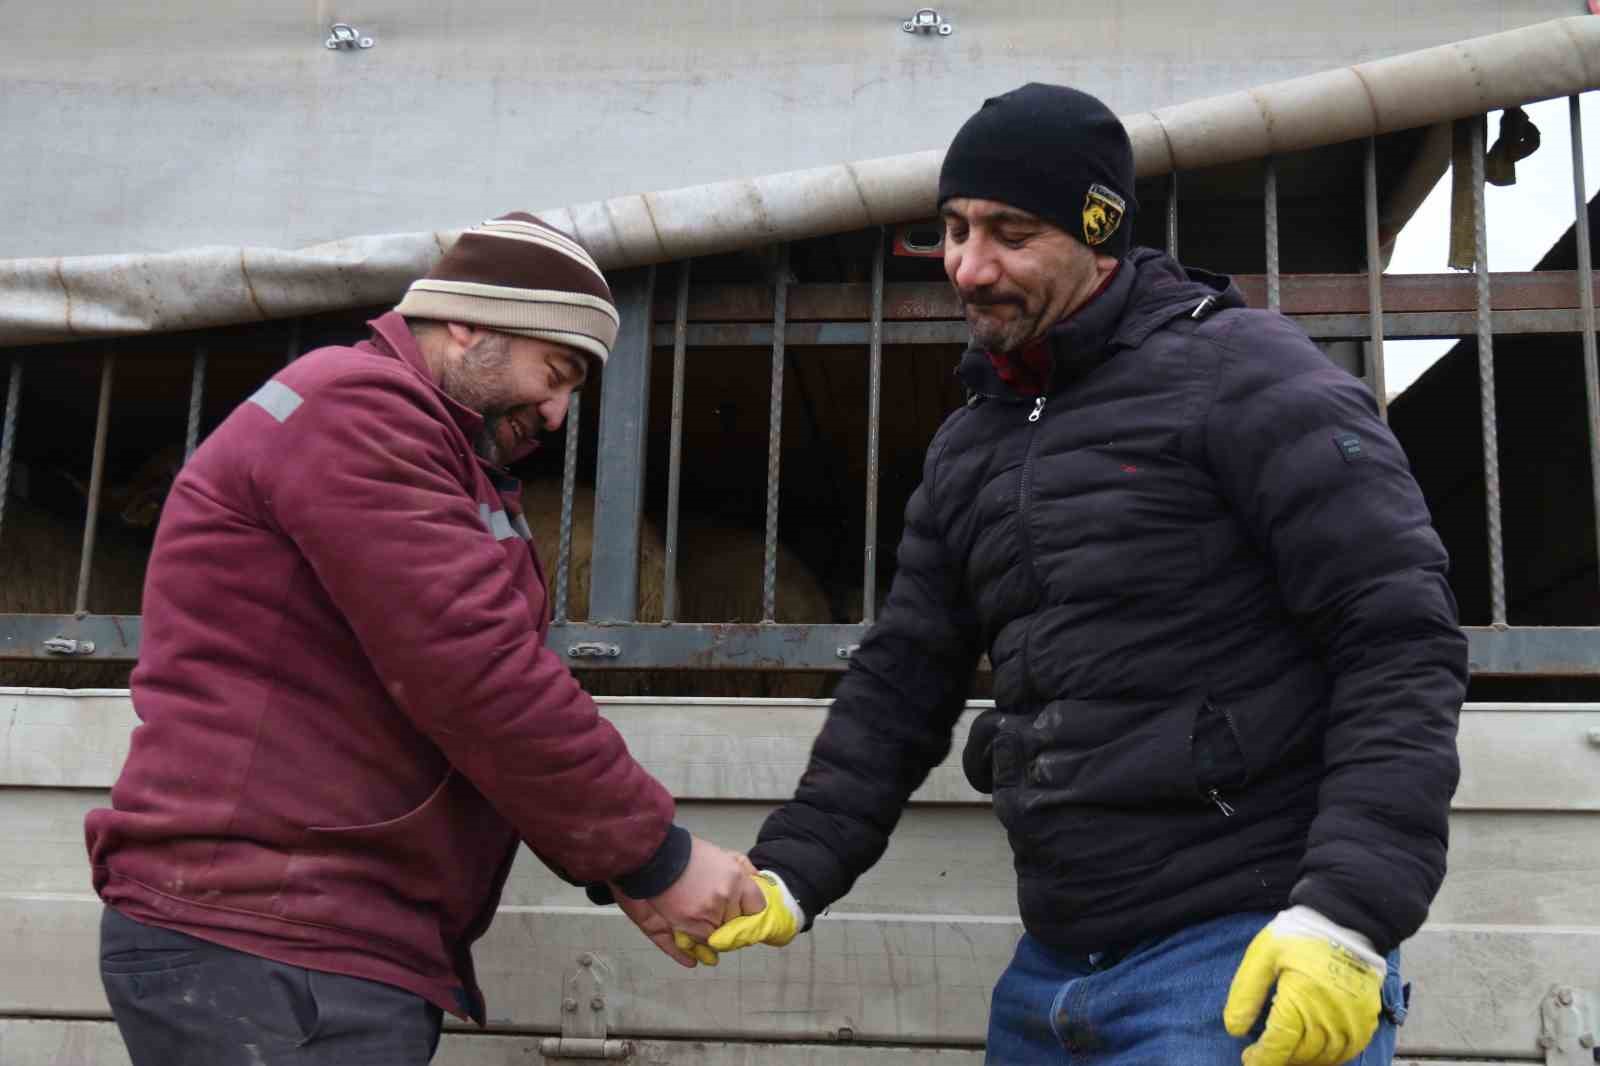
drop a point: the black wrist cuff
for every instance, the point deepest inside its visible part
(663, 868)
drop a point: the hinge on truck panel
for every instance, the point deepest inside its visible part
(1569, 1025)
(585, 1010)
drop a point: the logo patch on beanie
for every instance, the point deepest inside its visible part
(1102, 214)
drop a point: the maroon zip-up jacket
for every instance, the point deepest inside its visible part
(348, 713)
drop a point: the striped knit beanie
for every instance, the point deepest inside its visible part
(516, 274)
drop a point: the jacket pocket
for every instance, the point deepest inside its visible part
(1133, 753)
(996, 755)
(407, 880)
(1217, 750)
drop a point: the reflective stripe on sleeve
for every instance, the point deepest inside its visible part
(277, 399)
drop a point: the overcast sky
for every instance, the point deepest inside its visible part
(1524, 219)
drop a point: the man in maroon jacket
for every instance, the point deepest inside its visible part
(349, 714)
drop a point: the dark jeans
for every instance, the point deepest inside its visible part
(179, 1001)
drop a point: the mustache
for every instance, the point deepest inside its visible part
(984, 298)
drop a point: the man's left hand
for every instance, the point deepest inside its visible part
(1329, 991)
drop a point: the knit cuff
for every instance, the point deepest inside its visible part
(663, 868)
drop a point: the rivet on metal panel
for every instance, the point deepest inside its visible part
(344, 35)
(597, 1003)
(927, 20)
(569, 1005)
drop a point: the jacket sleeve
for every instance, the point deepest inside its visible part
(890, 722)
(367, 483)
(1326, 494)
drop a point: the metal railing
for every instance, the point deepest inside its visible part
(1369, 307)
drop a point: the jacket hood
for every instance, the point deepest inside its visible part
(1167, 289)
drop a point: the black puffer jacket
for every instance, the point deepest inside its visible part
(1227, 664)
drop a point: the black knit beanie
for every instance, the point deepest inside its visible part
(1054, 152)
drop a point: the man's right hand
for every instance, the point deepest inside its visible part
(714, 888)
(776, 925)
(680, 949)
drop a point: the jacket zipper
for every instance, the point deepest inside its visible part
(1023, 482)
(1022, 519)
(1214, 795)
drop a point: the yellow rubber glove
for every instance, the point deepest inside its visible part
(1330, 983)
(689, 945)
(775, 924)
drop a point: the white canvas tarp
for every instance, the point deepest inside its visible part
(68, 298)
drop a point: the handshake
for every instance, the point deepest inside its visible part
(719, 903)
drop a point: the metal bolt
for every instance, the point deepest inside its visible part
(68, 646)
(597, 1003)
(569, 1004)
(586, 959)
(1564, 997)
(344, 35)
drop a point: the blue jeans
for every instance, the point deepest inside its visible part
(1159, 1004)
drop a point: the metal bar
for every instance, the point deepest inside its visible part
(1491, 439)
(569, 480)
(291, 348)
(706, 646)
(1450, 325)
(620, 464)
(814, 334)
(97, 471)
(1591, 381)
(115, 637)
(869, 571)
(1172, 214)
(1350, 326)
(1512, 651)
(1274, 274)
(769, 562)
(911, 302)
(1375, 374)
(197, 395)
(680, 344)
(1310, 294)
(8, 432)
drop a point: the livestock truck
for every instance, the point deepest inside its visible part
(196, 194)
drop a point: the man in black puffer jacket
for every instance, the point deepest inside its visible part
(1227, 667)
